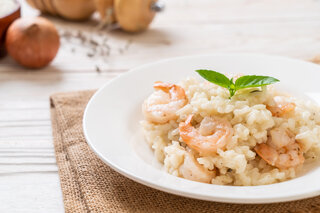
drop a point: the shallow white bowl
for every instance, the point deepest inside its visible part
(111, 124)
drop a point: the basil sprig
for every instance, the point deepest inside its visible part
(246, 81)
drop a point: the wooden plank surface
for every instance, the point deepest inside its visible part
(29, 180)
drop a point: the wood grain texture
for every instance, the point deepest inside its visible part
(29, 180)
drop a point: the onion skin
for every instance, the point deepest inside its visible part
(37, 4)
(134, 15)
(49, 7)
(32, 42)
(77, 10)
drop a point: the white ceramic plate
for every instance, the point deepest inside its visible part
(111, 125)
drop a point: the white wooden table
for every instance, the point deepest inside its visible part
(29, 180)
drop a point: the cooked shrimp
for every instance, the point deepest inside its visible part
(280, 107)
(281, 149)
(162, 105)
(192, 170)
(216, 132)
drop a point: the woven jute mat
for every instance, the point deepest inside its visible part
(89, 185)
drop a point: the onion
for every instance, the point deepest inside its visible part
(32, 42)
(134, 15)
(74, 9)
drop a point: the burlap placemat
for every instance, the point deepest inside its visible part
(89, 185)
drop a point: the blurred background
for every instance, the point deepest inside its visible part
(94, 50)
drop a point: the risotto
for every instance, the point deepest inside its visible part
(256, 137)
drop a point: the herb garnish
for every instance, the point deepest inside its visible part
(246, 81)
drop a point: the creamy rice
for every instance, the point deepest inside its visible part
(251, 121)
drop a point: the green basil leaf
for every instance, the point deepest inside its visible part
(215, 77)
(243, 82)
(254, 81)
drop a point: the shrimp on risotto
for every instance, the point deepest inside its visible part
(202, 134)
(163, 104)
